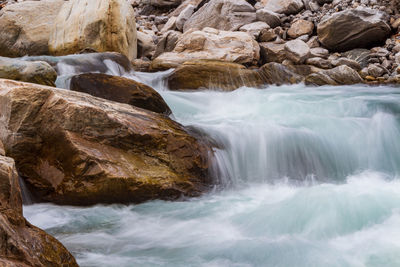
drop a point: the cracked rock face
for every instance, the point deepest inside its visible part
(76, 149)
(100, 25)
(26, 26)
(355, 28)
(237, 47)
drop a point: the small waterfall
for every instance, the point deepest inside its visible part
(27, 197)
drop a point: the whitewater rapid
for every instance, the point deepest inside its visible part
(304, 177)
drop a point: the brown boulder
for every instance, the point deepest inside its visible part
(354, 28)
(212, 74)
(119, 89)
(300, 27)
(23, 244)
(76, 149)
(26, 26)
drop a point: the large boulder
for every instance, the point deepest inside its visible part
(75, 149)
(100, 25)
(269, 17)
(238, 47)
(26, 26)
(354, 28)
(120, 89)
(21, 243)
(212, 74)
(227, 15)
(34, 72)
(342, 75)
(283, 6)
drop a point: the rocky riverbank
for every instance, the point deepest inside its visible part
(307, 37)
(111, 139)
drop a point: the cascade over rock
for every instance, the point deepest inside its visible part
(76, 149)
(100, 25)
(212, 74)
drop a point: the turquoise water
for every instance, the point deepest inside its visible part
(304, 177)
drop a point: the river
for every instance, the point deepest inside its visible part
(305, 177)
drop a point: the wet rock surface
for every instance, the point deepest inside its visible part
(76, 149)
(119, 89)
(21, 243)
(38, 72)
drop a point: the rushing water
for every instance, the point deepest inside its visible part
(307, 177)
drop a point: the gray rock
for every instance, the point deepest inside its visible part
(319, 62)
(184, 16)
(269, 17)
(145, 44)
(272, 52)
(319, 52)
(284, 6)
(346, 61)
(313, 42)
(34, 72)
(360, 55)
(375, 70)
(255, 28)
(342, 75)
(380, 52)
(297, 51)
(170, 25)
(167, 43)
(228, 15)
(355, 28)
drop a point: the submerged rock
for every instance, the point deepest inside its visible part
(23, 244)
(237, 47)
(120, 89)
(342, 75)
(101, 25)
(354, 28)
(26, 26)
(76, 149)
(212, 74)
(34, 72)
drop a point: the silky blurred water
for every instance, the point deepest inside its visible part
(304, 177)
